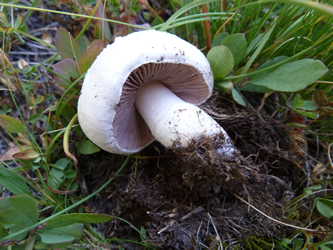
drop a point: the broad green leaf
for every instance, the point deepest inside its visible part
(42, 245)
(68, 219)
(237, 45)
(309, 105)
(3, 231)
(15, 229)
(86, 147)
(70, 173)
(255, 88)
(61, 164)
(298, 103)
(67, 112)
(307, 114)
(56, 178)
(298, 243)
(65, 70)
(66, 45)
(19, 210)
(89, 56)
(219, 38)
(13, 182)
(61, 234)
(3, 19)
(261, 89)
(325, 207)
(237, 97)
(221, 60)
(224, 86)
(311, 189)
(11, 125)
(291, 76)
(83, 43)
(272, 61)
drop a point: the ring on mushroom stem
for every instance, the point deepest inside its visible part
(146, 86)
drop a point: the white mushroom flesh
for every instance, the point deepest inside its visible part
(173, 121)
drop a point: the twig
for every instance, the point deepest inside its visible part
(217, 233)
(280, 222)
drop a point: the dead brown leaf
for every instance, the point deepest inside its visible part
(22, 64)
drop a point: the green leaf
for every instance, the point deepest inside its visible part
(300, 106)
(273, 61)
(219, 38)
(309, 105)
(255, 88)
(56, 178)
(15, 229)
(221, 60)
(13, 182)
(86, 147)
(66, 45)
(61, 234)
(259, 46)
(18, 210)
(68, 219)
(61, 164)
(325, 207)
(68, 112)
(307, 114)
(3, 231)
(89, 56)
(297, 102)
(291, 76)
(3, 19)
(237, 45)
(42, 245)
(225, 86)
(254, 44)
(65, 70)
(11, 125)
(237, 97)
(311, 189)
(325, 248)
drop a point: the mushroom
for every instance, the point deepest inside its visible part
(146, 86)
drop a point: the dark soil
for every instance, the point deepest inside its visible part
(188, 197)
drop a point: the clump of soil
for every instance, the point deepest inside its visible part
(188, 197)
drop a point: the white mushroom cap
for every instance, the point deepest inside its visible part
(106, 107)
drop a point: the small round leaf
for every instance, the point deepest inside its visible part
(221, 60)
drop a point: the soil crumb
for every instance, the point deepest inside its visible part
(194, 197)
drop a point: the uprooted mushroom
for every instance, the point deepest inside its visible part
(146, 86)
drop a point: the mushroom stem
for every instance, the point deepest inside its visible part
(170, 119)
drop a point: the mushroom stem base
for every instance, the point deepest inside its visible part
(171, 120)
